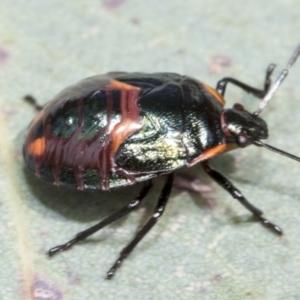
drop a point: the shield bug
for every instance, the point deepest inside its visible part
(117, 129)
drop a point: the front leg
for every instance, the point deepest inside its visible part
(259, 93)
(235, 193)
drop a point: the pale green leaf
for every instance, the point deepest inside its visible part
(204, 247)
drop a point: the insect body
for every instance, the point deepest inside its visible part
(113, 130)
(121, 128)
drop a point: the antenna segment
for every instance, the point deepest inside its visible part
(278, 81)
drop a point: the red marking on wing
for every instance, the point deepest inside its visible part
(81, 154)
(129, 123)
(130, 120)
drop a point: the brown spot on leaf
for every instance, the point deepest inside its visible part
(135, 21)
(43, 290)
(73, 278)
(7, 112)
(217, 278)
(3, 55)
(179, 51)
(218, 63)
(112, 4)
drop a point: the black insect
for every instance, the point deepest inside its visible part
(117, 129)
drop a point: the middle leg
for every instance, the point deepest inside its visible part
(235, 193)
(159, 210)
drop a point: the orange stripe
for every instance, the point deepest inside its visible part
(213, 152)
(118, 85)
(214, 93)
(37, 147)
(130, 120)
(122, 131)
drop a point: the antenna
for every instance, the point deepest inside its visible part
(278, 82)
(276, 150)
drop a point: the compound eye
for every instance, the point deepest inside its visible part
(238, 106)
(243, 140)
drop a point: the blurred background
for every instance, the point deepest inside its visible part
(206, 246)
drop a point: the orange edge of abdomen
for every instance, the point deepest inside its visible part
(213, 152)
(214, 93)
